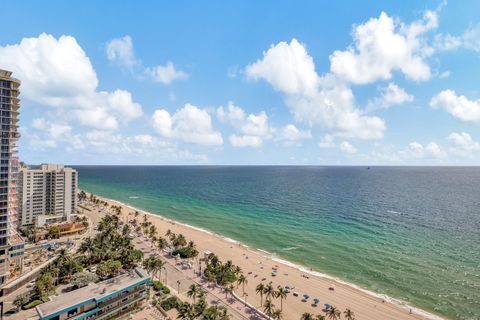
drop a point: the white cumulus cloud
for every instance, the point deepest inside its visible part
(291, 133)
(457, 105)
(251, 129)
(383, 45)
(189, 124)
(416, 150)
(120, 50)
(245, 141)
(287, 67)
(463, 143)
(166, 74)
(58, 73)
(347, 147)
(326, 101)
(389, 96)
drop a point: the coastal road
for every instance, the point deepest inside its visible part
(179, 281)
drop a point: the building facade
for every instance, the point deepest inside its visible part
(47, 194)
(11, 244)
(108, 299)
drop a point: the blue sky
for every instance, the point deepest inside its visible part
(312, 82)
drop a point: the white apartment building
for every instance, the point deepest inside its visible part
(47, 194)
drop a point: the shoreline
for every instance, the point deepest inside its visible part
(397, 303)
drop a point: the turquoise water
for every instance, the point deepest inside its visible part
(410, 233)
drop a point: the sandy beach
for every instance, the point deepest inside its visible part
(257, 266)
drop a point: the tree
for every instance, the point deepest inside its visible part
(82, 279)
(179, 241)
(153, 265)
(320, 317)
(281, 293)
(268, 308)
(269, 291)
(152, 231)
(306, 316)
(193, 291)
(211, 313)
(44, 286)
(53, 232)
(22, 299)
(242, 280)
(201, 304)
(69, 267)
(277, 314)
(161, 243)
(108, 268)
(260, 289)
(186, 312)
(82, 196)
(349, 315)
(89, 248)
(333, 313)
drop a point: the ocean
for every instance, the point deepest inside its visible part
(411, 233)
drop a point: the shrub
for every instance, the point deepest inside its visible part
(32, 304)
(186, 252)
(170, 303)
(22, 299)
(160, 287)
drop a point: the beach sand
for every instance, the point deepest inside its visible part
(257, 265)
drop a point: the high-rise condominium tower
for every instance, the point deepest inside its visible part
(46, 194)
(11, 244)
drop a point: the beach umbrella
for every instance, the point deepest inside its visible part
(327, 306)
(306, 296)
(316, 300)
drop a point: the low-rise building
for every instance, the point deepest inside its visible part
(108, 299)
(46, 194)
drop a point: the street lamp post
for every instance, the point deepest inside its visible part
(166, 282)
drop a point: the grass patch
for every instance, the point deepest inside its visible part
(32, 304)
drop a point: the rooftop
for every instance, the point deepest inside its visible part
(15, 239)
(95, 291)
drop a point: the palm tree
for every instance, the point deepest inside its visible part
(333, 313)
(237, 270)
(179, 241)
(89, 248)
(277, 314)
(211, 313)
(153, 265)
(307, 316)
(319, 317)
(242, 280)
(260, 289)
(268, 308)
(349, 315)
(269, 291)
(281, 293)
(161, 243)
(186, 311)
(193, 291)
(201, 304)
